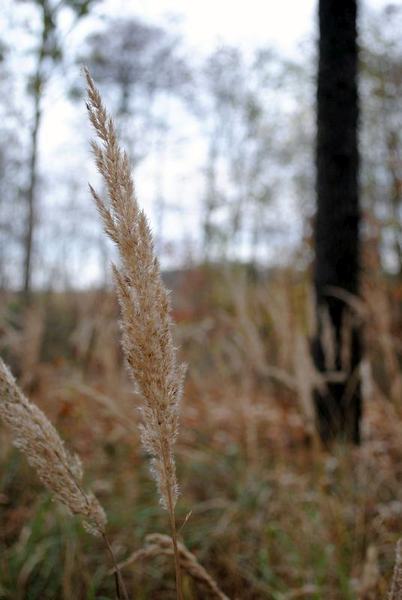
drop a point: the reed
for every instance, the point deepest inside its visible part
(145, 309)
(395, 592)
(157, 545)
(60, 471)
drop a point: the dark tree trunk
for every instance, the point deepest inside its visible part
(336, 346)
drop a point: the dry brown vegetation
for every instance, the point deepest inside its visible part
(271, 516)
(264, 511)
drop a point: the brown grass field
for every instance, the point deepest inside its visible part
(266, 511)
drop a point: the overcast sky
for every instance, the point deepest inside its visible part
(241, 22)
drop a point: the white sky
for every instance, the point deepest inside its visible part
(246, 23)
(242, 22)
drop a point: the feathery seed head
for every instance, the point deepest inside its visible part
(145, 309)
(35, 436)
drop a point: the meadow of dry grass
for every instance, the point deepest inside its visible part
(263, 511)
(266, 512)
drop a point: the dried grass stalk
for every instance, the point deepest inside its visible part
(396, 585)
(35, 436)
(368, 588)
(145, 308)
(157, 544)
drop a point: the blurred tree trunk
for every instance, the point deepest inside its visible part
(31, 194)
(336, 346)
(37, 92)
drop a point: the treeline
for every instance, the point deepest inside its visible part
(223, 143)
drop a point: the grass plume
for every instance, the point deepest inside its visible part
(35, 436)
(145, 308)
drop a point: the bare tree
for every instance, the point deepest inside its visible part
(48, 52)
(138, 64)
(241, 118)
(381, 136)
